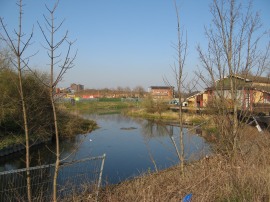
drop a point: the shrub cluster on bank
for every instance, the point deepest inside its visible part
(70, 125)
(39, 111)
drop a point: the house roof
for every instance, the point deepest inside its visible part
(251, 78)
(264, 89)
(225, 83)
(243, 81)
(195, 94)
(161, 87)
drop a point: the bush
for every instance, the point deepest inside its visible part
(148, 104)
(70, 125)
(154, 106)
(37, 101)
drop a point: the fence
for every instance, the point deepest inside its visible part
(80, 178)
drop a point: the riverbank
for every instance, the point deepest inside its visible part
(69, 126)
(188, 118)
(133, 109)
(136, 109)
(215, 178)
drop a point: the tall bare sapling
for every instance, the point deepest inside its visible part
(18, 47)
(53, 46)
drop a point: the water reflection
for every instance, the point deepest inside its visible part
(40, 155)
(152, 129)
(147, 145)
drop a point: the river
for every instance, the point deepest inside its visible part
(132, 146)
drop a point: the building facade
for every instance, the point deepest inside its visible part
(76, 87)
(162, 92)
(252, 93)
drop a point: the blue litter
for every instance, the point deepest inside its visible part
(187, 198)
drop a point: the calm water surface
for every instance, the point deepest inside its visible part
(130, 145)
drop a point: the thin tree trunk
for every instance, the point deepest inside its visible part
(181, 49)
(182, 157)
(175, 147)
(57, 152)
(150, 155)
(67, 64)
(232, 76)
(27, 146)
(57, 161)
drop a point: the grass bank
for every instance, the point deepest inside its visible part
(71, 125)
(111, 105)
(168, 115)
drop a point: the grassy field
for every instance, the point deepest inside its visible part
(104, 105)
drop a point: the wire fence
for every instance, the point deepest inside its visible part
(80, 178)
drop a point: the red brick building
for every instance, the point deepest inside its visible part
(162, 92)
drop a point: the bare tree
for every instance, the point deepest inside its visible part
(52, 46)
(233, 47)
(139, 91)
(128, 91)
(181, 53)
(18, 50)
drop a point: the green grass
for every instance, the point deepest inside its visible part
(102, 105)
(109, 99)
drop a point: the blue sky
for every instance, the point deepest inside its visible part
(120, 43)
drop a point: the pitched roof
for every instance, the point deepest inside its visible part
(161, 87)
(264, 89)
(243, 81)
(251, 78)
(195, 94)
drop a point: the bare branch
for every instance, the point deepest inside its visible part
(27, 43)
(44, 35)
(10, 44)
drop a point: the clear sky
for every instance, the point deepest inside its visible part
(122, 43)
